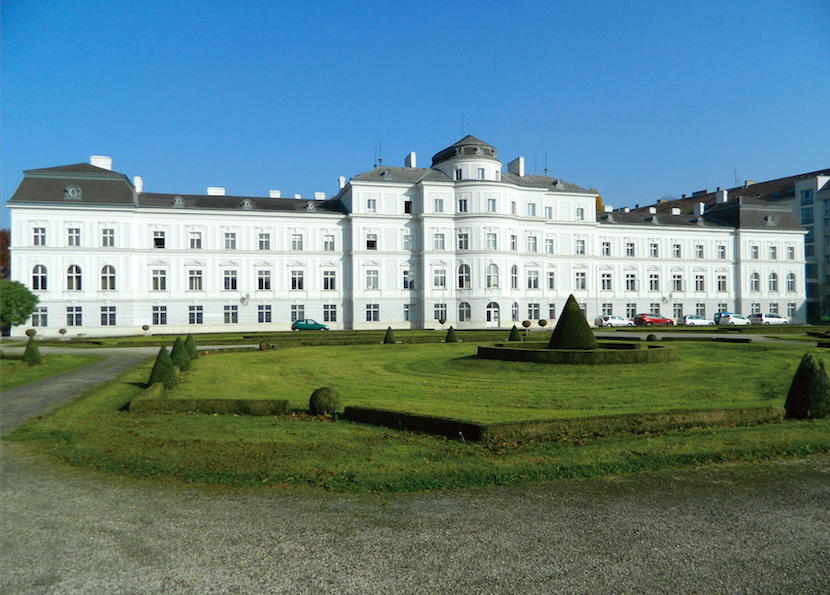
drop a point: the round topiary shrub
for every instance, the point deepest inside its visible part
(62, 331)
(389, 337)
(651, 338)
(809, 394)
(31, 332)
(145, 327)
(32, 354)
(450, 338)
(326, 401)
(543, 322)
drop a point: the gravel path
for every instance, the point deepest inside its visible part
(761, 529)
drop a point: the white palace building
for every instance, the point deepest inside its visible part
(461, 241)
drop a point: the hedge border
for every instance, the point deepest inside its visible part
(608, 354)
(152, 400)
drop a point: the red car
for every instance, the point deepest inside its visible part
(650, 319)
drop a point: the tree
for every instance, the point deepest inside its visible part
(5, 241)
(600, 208)
(16, 303)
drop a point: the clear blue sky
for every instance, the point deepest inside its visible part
(637, 99)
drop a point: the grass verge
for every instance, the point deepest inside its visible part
(53, 364)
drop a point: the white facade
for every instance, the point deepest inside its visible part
(398, 246)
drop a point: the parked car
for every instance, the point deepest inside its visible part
(613, 321)
(307, 324)
(767, 319)
(651, 319)
(733, 319)
(694, 320)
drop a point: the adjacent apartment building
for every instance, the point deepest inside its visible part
(462, 240)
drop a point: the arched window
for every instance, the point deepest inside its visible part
(515, 311)
(755, 282)
(108, 278)
(464, 276)
(514, 278)
(39, 277)
(492, 275)
(791, 282)
(464, 312)
(773, 282)
(73, 278)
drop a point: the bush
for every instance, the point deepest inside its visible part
(515, 335)
(389, 338)
(809, 394)
(32, 354)
(543, 322)
(31, 332)
(572, 330)
(190, 345)
(326, 401)
(652, 338)
(163, 370)
(450, 336)
(179, 355)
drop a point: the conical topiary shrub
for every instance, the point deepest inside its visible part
(451, 336)
(163, 370)
(809, 395)
(515, 335)
(179, 355)
(190, 345)
(572, 330)
(326, 401)
(32, 354)
(389, 338)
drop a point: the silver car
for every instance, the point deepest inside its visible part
(695, 320)
(613, 321)
(767, 319)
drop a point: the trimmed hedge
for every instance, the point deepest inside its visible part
(572, 330)
(809, 394)
(179, 355)
(152, 400)
(32, 354)
(620, 353)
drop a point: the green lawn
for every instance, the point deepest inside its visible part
(54, 364)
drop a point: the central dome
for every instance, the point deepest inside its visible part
(469, 146)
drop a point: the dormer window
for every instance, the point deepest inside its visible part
(178, 201)
(72, 192)
(247, 205)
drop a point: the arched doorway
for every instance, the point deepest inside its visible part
(492, 314)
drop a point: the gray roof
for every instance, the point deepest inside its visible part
(198, 201)
(546, 182)
(402, 175)
(467, 146)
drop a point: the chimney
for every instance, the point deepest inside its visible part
(683, 197)
(101, 161)
(652, 210)
(139, 185)
(607, 208)
(517, 166)
(748, 183)
(341, 182)
(410, 160)
(626, 210)
(273, 194)
(215, 191)
(699, 209)
(721, 197)
(675, 210)
(297, 196)
(319, 196)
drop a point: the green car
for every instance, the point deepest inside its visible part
(307, 324)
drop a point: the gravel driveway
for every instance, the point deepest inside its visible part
(761, 529)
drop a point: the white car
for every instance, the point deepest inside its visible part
(613, 321)
(694, 320)
(767, 319)
(733, 319)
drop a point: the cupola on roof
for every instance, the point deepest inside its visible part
(469, 146)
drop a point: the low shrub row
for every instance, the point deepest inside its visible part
(152, 400)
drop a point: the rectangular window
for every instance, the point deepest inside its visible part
(73, 235)
(807, 215)
(408, 280)
(463, 241)
(721, 307)
(159, 280)
(407, 312)
(533, 279)
(39, 317)
(407, 207)
(755, 308)
(654, 308)
(264, 313)
(606, 281)
(264, 241)
(230, 280)
(108, 238)
(699, 283)
(158, 239)
(39, 237)
(439, 202)
(107, 315)
(531, 209)
(329, 313)
(440, 312)
(491, 241)
(630, 282)
(439, 278)
(491, 205)
(263, 280)
(629, 249)
(458, 174)
(371, 241)
(329, 280)
(74, 316)
(675, 250)
(607, 309)
(372, 312)
(230, 241)
(580, 246)
(699, 251)
(328, 243)
(753, 252)
(514, 243)
(551, 280)
(773, 308)
(480, 173)
(722, 252)
(371, 205)
(654, 251)
(462, 205)
(630, 310)
(806, 197)
(531, 243)
(677, 310)
(372, 279)
(581, 280)
(580, 214)
(606, 248)
(700, 310)
(297, 312)
(195, 240)
(409, 242)
(790, 310)
(773, 253)
(159, 315)
(297, 241)
(513, 207)
(231, 314)
(297, 281)
(195, 315)
(551, 311)
(195, 277)
(533, 311)
(548, 245)
(438, 241)
(721, 282)
(548, 212)
(654, 282)
(677, 282)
